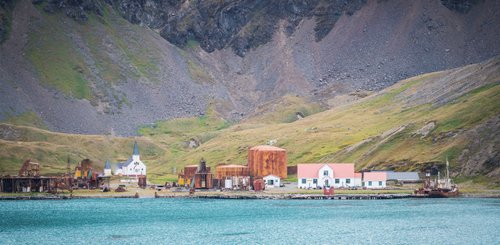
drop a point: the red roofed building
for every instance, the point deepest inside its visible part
(374, 179)
(319, 175)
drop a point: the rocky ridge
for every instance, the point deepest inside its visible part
(238, 54)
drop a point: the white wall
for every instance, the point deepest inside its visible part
(357, 182)
(321, 182)
(276, 181)
(107, 172)
(375, 184)
(132, 169)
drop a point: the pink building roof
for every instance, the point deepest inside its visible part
(340, 170)
(358, 175)
(375, 176)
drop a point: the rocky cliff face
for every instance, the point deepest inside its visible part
(172, 58)
(5, 19)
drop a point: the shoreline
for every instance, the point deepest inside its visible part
(238, 196)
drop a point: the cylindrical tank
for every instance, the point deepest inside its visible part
(264, 160)
(223, 171)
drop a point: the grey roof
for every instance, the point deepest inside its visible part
(136, 149)
(128, 162)
(107, 165)
(391, 175)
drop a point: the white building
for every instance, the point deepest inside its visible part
(271, 181)
(107, 168)
(319, 175)
(133, 166)
(358, 179)
(374, 180)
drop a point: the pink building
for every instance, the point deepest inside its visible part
(318, 175)
(374, 179)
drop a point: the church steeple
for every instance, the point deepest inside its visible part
(136, 149)
(107, 165)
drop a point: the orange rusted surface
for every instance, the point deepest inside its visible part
(265, 160)
(203, 181)
(190, 171)
(223, 171)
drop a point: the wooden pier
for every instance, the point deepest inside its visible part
(296, 196)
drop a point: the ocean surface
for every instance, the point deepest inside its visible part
(204, 221)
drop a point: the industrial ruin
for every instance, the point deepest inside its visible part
(265, 168)
(29, 179)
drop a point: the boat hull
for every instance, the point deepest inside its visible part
(442, 193)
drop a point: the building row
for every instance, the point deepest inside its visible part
(266, 167)
(320, 175)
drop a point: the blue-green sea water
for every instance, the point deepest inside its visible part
(202, 221)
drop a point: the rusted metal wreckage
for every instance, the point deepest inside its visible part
(30, 180)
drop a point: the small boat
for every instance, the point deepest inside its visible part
(440, 188)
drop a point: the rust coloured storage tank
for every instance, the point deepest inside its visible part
(264, 160)
(223, 171)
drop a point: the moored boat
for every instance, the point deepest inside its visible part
(439, 188)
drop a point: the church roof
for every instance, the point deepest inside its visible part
(128, 162)
(136, 149)
(107, 165)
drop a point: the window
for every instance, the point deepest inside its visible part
(303, 181)
(315, 181)
(325, 173)
(348, 181)
(369, 183)
(327, 183)
(363, 183)
(380, 183)
(337, 181)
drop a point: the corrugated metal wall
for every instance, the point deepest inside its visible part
(266, 160)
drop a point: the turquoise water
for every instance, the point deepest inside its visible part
(190, 221)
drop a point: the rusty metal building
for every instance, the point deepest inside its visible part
(232, 176)
(199, 174)
(264, 160)
(185, 176)
(223, 171)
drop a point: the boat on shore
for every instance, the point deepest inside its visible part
(440, 187)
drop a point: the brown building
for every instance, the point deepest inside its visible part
(223, 171)
(232, 176)
(200, 174)
(264, 160)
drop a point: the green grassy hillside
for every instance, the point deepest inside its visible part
(81, 60)
(418, 121)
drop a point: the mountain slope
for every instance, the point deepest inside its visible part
(415, 123)
(107, 65)
(418, 121)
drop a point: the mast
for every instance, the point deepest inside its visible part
(447, 185)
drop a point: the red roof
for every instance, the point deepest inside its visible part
(340, 170)
(375, 176)
(358, 175)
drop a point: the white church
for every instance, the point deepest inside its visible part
(132, 167)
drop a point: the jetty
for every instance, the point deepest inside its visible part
(297, 196)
